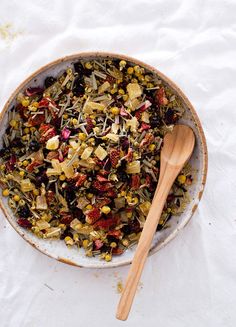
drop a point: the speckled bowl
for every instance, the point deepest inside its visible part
(57, 249)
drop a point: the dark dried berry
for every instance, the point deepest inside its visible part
(135, 226)
(126, 229)
(16, 143)
(98, 141)
(170, 117)
(79, 68)
(67, 232)
(49, 81)
(24, 212)
(122, 176)
(78, 88)
(34, 145)
(107, 165)
(155, 122)
(41, 178)
(5, 152)
(124, 141)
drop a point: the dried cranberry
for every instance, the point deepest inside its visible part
(49, 81)
(66, 218)
(25, 223)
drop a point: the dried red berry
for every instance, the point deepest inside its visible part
(66, 218)
(102, 186)
(81, 178)
(90, 125)
(47, 131)
(102, 202)
(135, 182)
(102, 179)
(111, 193)
(105, 223)
(148, 138)
(161, 96)
(25, 223)
(114, 157)
(43, 103)
(10, 165)
(115, 233)
(36, 120)
(33, 165)
(117, 251)
(93, 215)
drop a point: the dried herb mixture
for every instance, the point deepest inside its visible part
(80, 160)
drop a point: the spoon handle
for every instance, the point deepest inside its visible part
(144, 243)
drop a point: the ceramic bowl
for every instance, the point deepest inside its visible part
(56, 248)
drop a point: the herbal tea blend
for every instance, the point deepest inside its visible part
(80, 160)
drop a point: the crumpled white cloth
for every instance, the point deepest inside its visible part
(191, 282)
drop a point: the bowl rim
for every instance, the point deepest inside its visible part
(168, 81)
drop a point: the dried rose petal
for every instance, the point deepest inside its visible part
(98, 244)
(123, 112)
(33, 90)
(65, 134)
(144, 127)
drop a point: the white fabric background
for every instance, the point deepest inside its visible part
(191, 282)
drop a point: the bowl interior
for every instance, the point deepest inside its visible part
(56, 248)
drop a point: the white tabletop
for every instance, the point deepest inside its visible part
(192, 281)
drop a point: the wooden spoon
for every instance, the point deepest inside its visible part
(177, 149)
